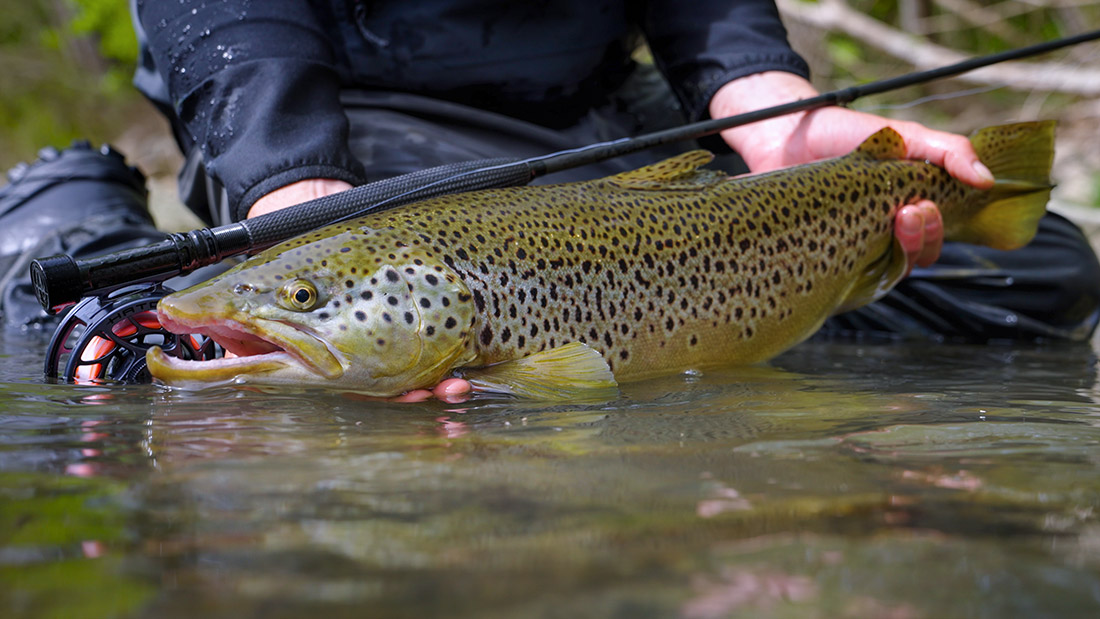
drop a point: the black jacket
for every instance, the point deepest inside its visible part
(256, 83)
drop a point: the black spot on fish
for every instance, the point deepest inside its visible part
(409, 317)
(344, 250)
(425, 302)
(450, 323)
(486, 336)
(387, 317)
(366, 295)
(360, 316)
(430, 330)
(392, 275)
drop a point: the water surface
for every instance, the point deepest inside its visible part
(842, 480)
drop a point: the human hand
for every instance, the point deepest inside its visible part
(918, 228)
(834, 131)
(828, 132)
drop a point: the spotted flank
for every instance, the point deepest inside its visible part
(536, 290)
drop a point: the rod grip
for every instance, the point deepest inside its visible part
(62, 280)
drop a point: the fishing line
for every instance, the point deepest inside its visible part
(958, 94)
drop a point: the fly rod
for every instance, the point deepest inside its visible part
(62, 280)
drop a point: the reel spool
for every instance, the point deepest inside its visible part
(104, 338)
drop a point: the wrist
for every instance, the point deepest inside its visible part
(296, 193)
(755, 92)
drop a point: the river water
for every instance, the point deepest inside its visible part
(841, 480)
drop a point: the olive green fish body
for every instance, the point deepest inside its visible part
(658, 270)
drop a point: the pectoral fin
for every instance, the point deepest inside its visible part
(568, 371)
(879, 277)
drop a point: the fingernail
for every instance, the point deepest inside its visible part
(928, 213)
(909, 222)
(983, 171)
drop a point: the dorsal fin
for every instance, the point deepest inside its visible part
(679, 172)
(883, 145)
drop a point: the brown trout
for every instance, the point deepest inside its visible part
(653, 271)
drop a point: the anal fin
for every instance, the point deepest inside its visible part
(568, 371)
(877, 279)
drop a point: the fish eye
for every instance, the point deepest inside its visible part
(299, 295)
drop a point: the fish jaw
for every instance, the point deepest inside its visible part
(185, 373)
(266, 350)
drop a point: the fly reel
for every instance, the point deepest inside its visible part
(105, 338)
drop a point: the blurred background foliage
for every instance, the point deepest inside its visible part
(65, 66)
(65, 69)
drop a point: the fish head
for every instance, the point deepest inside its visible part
(358, 309)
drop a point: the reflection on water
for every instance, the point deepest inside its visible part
(842, 480)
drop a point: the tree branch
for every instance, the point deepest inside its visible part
(1026, 76)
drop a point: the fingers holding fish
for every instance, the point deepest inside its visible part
(450, 390)
(919, 229)
(828, 132)
(949, 151)
(453, 390)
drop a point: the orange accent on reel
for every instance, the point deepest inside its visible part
(99, 346)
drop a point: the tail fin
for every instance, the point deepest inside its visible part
(1019, 156)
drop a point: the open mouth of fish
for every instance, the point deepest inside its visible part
(258, 347)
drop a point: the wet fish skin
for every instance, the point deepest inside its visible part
(658, 270)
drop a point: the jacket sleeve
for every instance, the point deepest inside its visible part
(256, 87)
(702, 45)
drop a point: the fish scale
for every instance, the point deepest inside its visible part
(660, 269)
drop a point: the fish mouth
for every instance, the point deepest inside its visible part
(257, 347)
